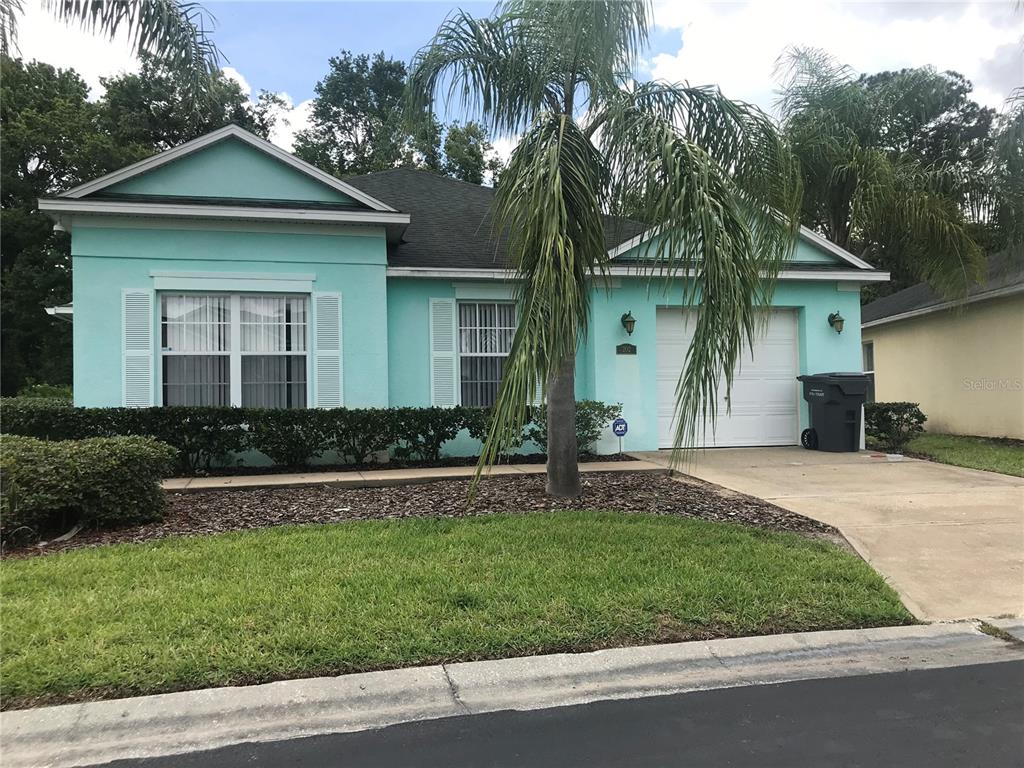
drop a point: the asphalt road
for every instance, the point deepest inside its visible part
(964, 716)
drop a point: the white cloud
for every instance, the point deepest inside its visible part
(41, 36)
(233, 74)
(290, 122)
(736, 45)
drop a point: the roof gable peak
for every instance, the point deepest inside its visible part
(228, 132)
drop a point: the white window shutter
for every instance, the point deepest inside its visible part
(137, 348)
(327, 364)
(444, 390)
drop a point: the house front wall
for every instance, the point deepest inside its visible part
(601, 373)
(631, 379)
(110, 257)
(965, 367)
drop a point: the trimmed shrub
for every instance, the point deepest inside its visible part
(105, 482)
(420, 432)
(592, 416)
(893, 424)
(288, 437)
(478, 423)
(357, 433)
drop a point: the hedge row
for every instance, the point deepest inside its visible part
(208, 435)
(104, 482)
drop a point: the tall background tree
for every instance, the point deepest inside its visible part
(887, 163)
(711, 174)
(151, 108)
(358, 126)
(53, 138)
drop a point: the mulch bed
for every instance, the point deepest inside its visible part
(201, 513)
(447, 461)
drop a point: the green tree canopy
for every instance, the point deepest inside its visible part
(358, 126)
(883, 165)
(468, 155)
(154, 107)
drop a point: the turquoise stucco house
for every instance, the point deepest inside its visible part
(228, 272)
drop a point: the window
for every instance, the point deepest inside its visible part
(868, 355)
(486, 330)
(223, 349)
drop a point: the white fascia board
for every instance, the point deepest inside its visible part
(630, 271)
(252, 213)
(854, 275)
(442, 273)
(228, 131)
(806, 234)
(995, 294)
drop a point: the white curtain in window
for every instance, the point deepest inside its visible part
(273, 323)
(486, 330)
(195, 323)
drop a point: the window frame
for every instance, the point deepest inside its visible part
(234, 353)
(459, 354)
(867, 347)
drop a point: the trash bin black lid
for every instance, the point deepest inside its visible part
(833, 375)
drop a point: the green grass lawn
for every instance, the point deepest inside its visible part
(1006, 456)
(301, 601)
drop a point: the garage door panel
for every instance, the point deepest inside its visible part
(764, 393)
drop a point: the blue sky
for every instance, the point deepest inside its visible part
(284, 46)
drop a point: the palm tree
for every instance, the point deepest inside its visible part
(177, 32)
(861, 193)
(711, 175)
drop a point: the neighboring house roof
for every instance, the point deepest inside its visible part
(1004, 276)
(451, 225)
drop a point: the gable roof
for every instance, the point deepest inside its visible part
(1004, 277)
(807, 235)
(451, 225)
(222, 134)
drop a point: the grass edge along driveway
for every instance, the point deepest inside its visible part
(299, 601)
(1002, 455)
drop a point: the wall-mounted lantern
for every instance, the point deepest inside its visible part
(628, 322)
(836, 321)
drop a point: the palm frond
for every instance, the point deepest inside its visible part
(901, 201)
(10, 10)
(176, 31)
(485, 66)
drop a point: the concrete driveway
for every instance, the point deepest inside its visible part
(949, 540)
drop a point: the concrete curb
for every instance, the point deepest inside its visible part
(381, 478)
(177, 723)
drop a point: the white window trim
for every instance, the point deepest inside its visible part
(235, 354)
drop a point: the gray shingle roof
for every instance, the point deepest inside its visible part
(451, 225)
(1004, 271)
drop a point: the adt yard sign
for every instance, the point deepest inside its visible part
(620, 427)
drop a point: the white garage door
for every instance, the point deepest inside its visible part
(764, 390)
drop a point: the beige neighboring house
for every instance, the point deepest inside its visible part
(962, 361)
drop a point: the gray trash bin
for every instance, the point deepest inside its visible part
(835, 401)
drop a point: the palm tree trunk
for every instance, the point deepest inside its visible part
(563, 469)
